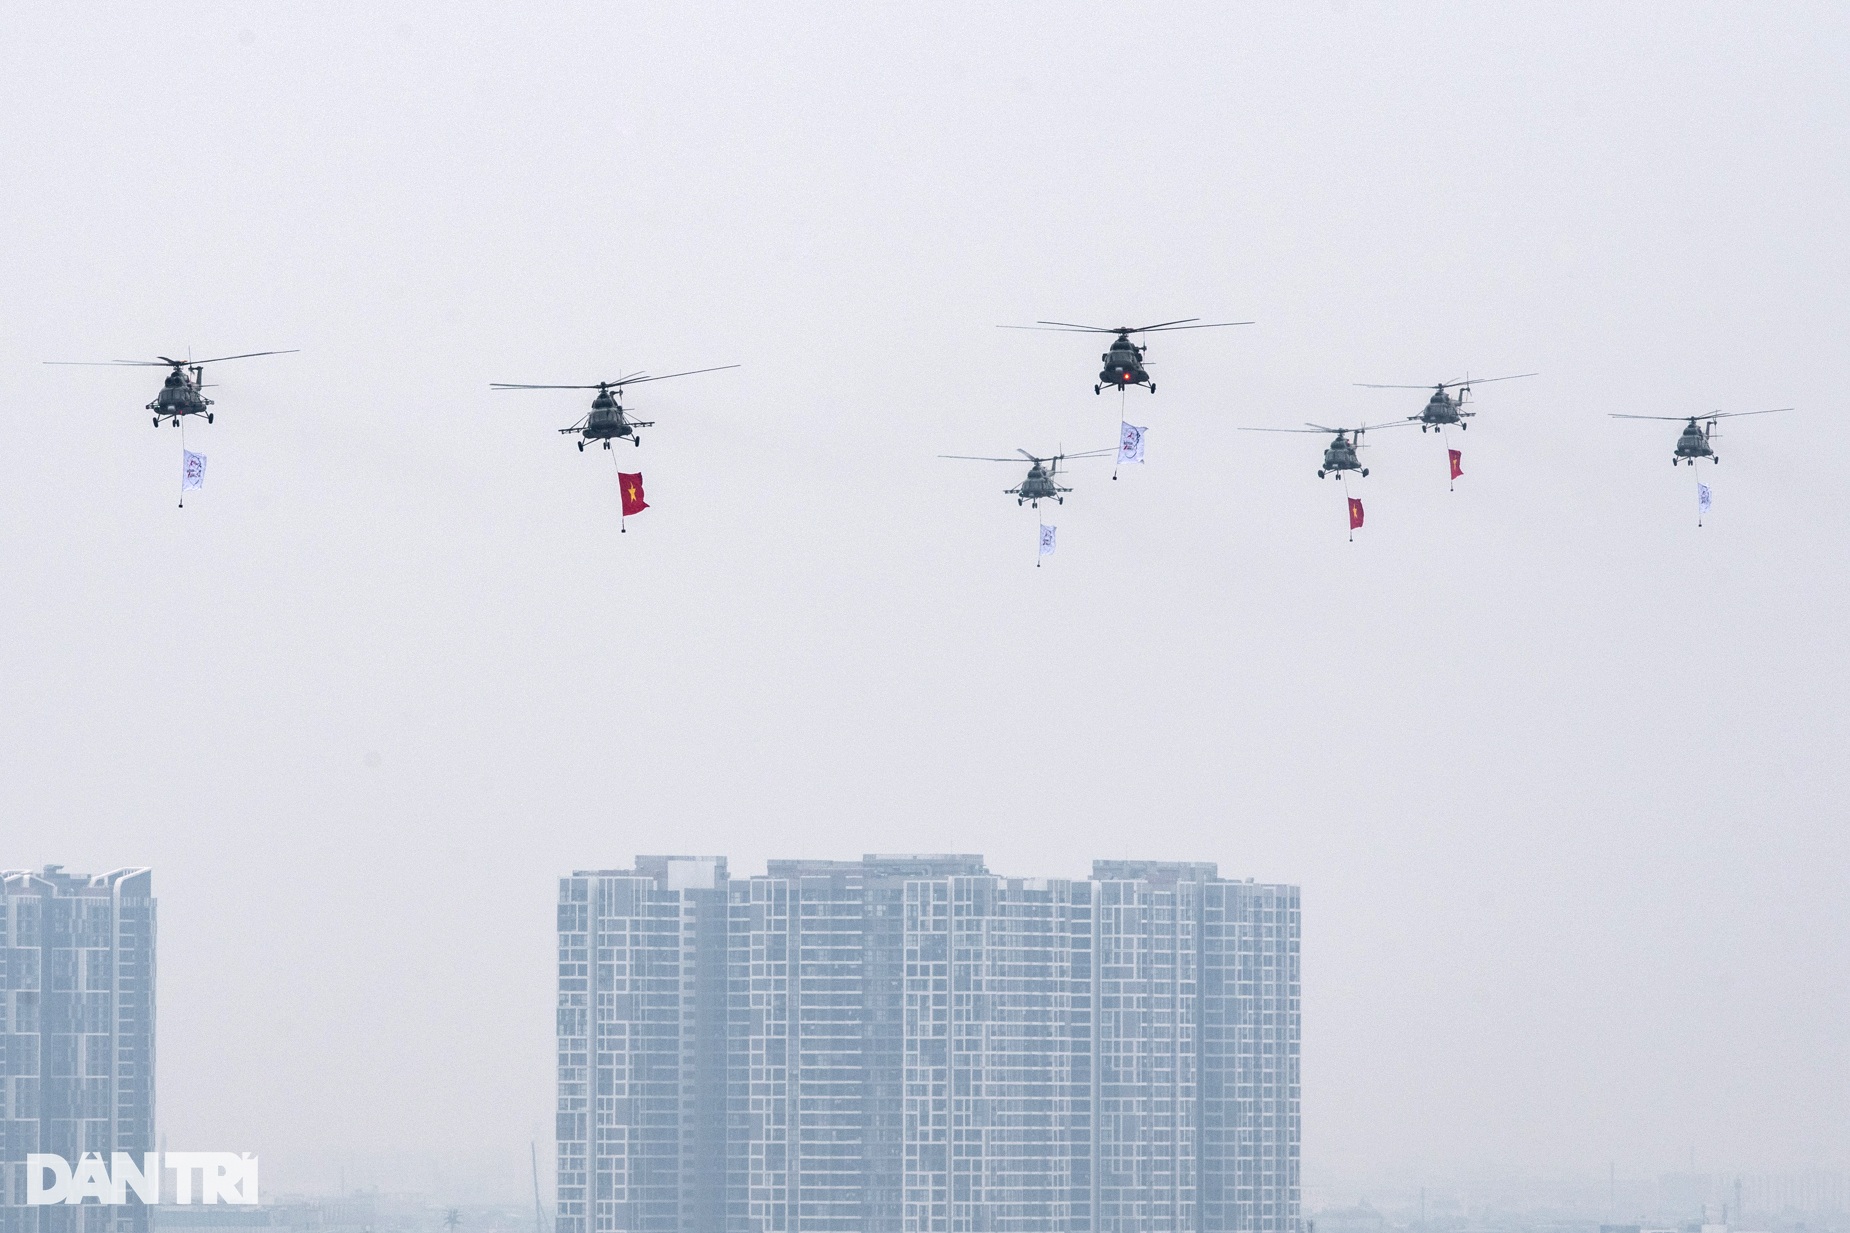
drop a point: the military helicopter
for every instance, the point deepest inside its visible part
(1339, 455)
(1443, 408)
(1694, 442)
(607, 420)
(1124, 361)
(1039, 485)
(181, 393)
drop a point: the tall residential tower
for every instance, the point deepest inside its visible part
(912, 1044)
(76, 1034)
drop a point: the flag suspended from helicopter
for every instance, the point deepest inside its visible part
(1355, 513)
(1047, 540)
(1130, 442)
(1703, 501)
(1457, 460)
(631, 483)
(192, 470)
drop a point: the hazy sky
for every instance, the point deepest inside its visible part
(1561, 774)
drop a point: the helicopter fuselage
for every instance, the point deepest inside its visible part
(1038, 487)
(1339, 456)
(1442, 409)
(179, 396)
(1693, 444)
(610, 425)
(1123, 366)
(608, 422)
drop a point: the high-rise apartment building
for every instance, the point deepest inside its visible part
(642, 1047)
(76, 1034)
(915, 1045)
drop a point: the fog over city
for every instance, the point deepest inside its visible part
(1559, 773)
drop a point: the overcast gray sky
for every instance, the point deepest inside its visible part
(1561, 775)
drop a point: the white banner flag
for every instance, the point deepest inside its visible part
(1702, 498)
(193, 470)
(1047, 540)
(1130, 442)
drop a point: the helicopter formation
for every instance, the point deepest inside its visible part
(1124, 364)
(1449, 405)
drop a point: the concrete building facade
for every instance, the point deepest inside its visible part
(76, 1034)
(916, 1045)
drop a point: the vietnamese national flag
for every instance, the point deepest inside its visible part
(1457, 458)
(632, 493)
(1355, 512)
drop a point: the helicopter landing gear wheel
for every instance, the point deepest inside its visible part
(157, 421)
(581, 447)
(1462, 426)
(1153, 387)
(636, 441)
(1364, 472)
(1097, 388)
(176, 421)
(1018, 500)
(1319, 475)
(208, 417)
(1059, 500)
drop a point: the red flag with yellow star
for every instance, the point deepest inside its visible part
(1457, 463)
(632, 492)
(1355, 512)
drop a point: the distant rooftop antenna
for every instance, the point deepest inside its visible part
(539, 1213)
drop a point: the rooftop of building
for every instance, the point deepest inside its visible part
(907, 865)
(710, 872)
(1155, 871)
(53, 878)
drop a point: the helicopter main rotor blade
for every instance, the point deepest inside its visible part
(1316, 430)
(1443, 385)
(1178, 323)
(1668, 419)
(163, 361)
(222, 358)
(1728, 415)
(1182, 325)
(1488, 380)
(639, 378)
(634, 378)
(982, 458)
